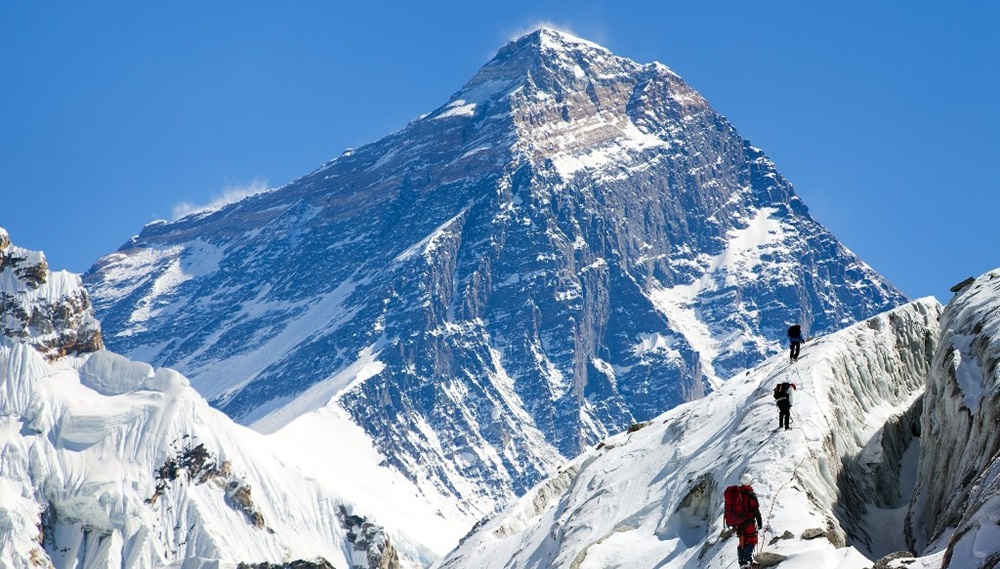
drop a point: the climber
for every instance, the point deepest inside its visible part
(743, 516)
(783, 397)
(794, 340)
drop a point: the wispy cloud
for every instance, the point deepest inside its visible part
(229, 195)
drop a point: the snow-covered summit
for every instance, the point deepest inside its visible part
(540, 51)
(560, 39)
(569, 99)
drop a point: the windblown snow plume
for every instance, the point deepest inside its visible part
(833, 489)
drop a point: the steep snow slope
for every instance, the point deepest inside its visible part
(652, 497)
(107, 462)
(573, 243)
(956, 509)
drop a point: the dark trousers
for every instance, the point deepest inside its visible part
(794, 349)
(745, 554)
(784, 414)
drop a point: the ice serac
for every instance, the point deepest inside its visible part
(573, 243)
(956, 508)
(110, 463)
(652, 496)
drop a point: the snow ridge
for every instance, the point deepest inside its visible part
(651, 497)
(82, 466)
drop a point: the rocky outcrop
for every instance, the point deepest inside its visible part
(372, 547)
(49, 311)
(299, 564)
(957, 503)
(885, 562)
(195, 464)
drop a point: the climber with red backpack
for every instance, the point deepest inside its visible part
(742, 514)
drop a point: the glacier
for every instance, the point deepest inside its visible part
(892, 460)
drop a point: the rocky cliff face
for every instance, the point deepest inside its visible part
(574, 243)
(49, 311)
(957, 504)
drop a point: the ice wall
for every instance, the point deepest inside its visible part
(956, 507)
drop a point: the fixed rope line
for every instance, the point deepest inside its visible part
(774, 499)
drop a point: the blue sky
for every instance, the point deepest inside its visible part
(884, 115)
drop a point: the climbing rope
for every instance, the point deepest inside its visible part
(774, 498)
(770, 511)
(759, 548)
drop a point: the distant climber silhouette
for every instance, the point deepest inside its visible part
(794, 341)
(783, 397)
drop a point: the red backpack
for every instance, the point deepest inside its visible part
(739, 506)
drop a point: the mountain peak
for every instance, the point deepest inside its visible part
(565, 98)
(557, 39)
(574, 243)
(543, 52)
